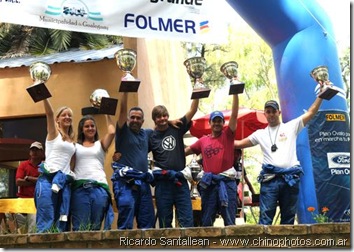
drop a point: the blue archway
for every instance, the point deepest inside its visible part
(301, 37)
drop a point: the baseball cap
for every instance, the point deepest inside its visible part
(272, 103)
(215, 114)
(37, 145)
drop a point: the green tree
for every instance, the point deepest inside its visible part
(20, 40)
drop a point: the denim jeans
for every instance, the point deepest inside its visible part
(211, 204)
(88, 207)
(50, 205)
(168, 194)
(134, 201)
(274, 192)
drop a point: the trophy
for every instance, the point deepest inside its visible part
(101, 103)
(40, 73)
(320, 75)
(126, 61)
(195, 169)
(229, 69)
(195, 68)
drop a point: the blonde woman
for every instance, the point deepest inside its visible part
(52, 194)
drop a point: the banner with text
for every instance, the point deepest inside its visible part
(329, 135)
(188, 20)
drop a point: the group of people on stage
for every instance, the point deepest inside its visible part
(71, 187)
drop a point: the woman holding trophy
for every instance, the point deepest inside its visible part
(52, 195)
(52, 192)
(91, 197)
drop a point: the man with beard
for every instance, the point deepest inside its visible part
(131, 178)
(217, 184)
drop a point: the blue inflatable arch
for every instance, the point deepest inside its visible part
(301, 37)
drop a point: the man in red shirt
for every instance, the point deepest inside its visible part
(217, 186)
(26, 178)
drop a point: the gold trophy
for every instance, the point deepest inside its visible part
(40, 73)
(229, 69)
(195, 68)
(321, 76)
(101, 103)
(195, 169)
(126, 61)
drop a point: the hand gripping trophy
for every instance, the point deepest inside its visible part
(195, 68)
(195, 170)
(40, 73)
(126, 61)
(102, 103)
(229, 69)
(320, 75)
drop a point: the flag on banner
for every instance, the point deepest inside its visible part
(193, 21)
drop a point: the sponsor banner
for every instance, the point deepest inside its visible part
(186, 20)
(338, 159)
(329, 136)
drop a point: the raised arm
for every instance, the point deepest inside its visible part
(123, 110)
(193, 109)
(52, 131)
(106, 141)
(311, 111)
(234, 113)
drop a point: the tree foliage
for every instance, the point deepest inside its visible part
(20, 40)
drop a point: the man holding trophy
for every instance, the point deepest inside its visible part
(281, 170)
(170, 172)
(217, 185)
(131, 177)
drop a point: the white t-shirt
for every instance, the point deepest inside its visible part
(58, 154)
(284, 136)
(90, 163)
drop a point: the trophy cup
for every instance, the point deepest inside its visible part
(229, 69)
(320, 75)
(40, 73)
(126, 61)
(195, 169)
(101, 103)
(195, 68)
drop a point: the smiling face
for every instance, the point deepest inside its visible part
(160, 117)
(64, 118)
(89, 130)
(135, 120)
(216, 125)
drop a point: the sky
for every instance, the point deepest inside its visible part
(337, 10)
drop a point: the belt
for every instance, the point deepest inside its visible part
(89, 184)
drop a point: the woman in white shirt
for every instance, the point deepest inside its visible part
(91, 197)
(52, 193)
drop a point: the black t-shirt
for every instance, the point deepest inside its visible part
(168, 147)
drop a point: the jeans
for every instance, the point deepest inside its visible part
(88, 207)
(168, 194)
(134, 201)
(211, 204)
(274, 192)
(49, 205)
